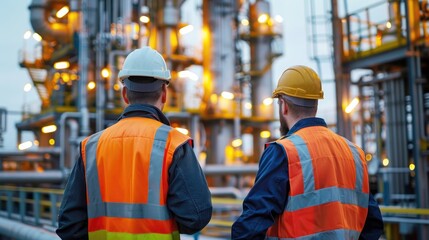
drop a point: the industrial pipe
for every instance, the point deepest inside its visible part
(20, 231)
(54, 176)
(49, 31)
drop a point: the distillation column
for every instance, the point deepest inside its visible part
(218, 63)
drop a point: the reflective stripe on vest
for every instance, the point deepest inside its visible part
(149, 215)
(319, 207)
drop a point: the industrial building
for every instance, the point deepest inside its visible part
(220, 95)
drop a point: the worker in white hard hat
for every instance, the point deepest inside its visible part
(311, 183)
(139, 178)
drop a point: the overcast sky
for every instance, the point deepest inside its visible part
(15, 21)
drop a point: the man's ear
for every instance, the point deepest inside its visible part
(124, 95)
(285, 107)
(164, 93)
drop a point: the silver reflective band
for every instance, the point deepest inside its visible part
(358, 165)
(327, 195)
(156, 162)
(125, 210)
(92, 180)
(306, 162)
(339, 234)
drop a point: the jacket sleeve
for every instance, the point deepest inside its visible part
(189, 198)
(267, 198)
(72, 218)
(373, 227)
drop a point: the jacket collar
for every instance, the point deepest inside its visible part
(144, 110)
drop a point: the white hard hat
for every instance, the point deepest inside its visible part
(144, 62)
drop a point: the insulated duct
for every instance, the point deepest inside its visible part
(39, 12)
(17, 230)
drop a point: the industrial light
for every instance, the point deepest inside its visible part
(49, 129)
(182, 130)
(27, 87)
(61, 65)
(51, 141)
(27, 34)
(385, 162)
(412, 166)
(186, 29)
(213, 98)
(227, 95)
(263, 18)
(352, 105)
(36, 143)
(278, 18)
(236, 142)
(144, 19)
(248, 105)
(265, 134)
(388, 24)
(91, 85)
(116, 87)
(25, 145)
(267, 101)
(188, 74)
(37, 37)
(105, 73)
(368, 157)
(62, 12)
(244, 22)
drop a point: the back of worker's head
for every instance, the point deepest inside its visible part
(300, 87)
(143, 74)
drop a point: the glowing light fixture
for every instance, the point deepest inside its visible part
(265, 134)
(267, 101)
(25, 145)
(116, 87)
(105, 73)
(37, 37)
(62, 12)
(91, 85)
(27, 34)
(278, 18)
(227, 95)
(385, 162)
(27, 87)
(144, 19)
(61, 65)
(368, 157)
(248, 105)
(263, 18)
(51, 141)
(186, 29)
(182, 130)
(388, 24)
(412, 166)
(36, 143)
(352, 105)
(188, 74)
(237, 142)
(49, 129)
(213, 98)
(244, 22)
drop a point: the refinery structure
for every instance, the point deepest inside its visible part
(220, 95)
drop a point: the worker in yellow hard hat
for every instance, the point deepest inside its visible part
(311, 183)
(139, 178)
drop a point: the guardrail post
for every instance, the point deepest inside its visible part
(22, 204)
(9, 204)
(53, 198)
(36, 208)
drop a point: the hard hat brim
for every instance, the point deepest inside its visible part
(143, 86)
(301, 101)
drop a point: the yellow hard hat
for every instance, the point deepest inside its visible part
(300, 82)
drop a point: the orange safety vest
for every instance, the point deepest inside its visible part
(329, 188)
(126, 170)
